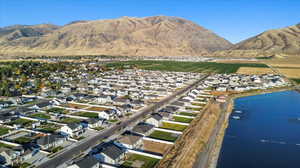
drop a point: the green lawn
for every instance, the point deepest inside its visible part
(57, 110)
(23, 140)
(48, 128)
(182, 119)
(187, 114)
(183, 66)
(3, 130)
(5, 145)
(86, 114)
(163, 136)
(40, 115)
(148, 162)
(113, 121)
(69, 120)
(21, 121)
(175, 127)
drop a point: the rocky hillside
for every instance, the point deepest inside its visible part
(285, 40)
(149, 36)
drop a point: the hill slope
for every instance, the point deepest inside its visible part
(149, 36)
(285, 40)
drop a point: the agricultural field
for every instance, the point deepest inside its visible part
(166, 136)
(135, 160)
(296, 80)
(175, 127)
(86, 114)
(290, 72)
(254, 71)
(208, 67)
(182, 119)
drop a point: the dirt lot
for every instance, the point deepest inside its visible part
(97, 108)
(75, 106)
(155, 146)
(254, 71)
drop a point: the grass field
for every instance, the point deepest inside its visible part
(163, 136)
(3, 130)
(182, 119)
(143, 161)
(175, 127)
(296, 80)
(69, 120)
(184, 66)
(21, 121)
(86, 114)
(40, 115)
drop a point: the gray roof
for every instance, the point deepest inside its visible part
(110, 149)
(142, 128)
(73, 125)
(48, 139)
(86, 162)
(156, 116)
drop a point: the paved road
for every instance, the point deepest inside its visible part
(69, 154)
(203, 158)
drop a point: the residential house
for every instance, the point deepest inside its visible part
(143, 129)
(129, 140)
(51, 141)
(72, 129)
(155, 119)
(109, 152)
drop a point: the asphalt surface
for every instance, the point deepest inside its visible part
(203, 158)
(93, 141)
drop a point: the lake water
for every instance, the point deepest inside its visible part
(266, 136)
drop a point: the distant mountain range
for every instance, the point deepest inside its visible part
(130, 36)
(285, 40)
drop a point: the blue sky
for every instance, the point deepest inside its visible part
(234, 20)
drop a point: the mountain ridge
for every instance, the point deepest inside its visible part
(147, 36)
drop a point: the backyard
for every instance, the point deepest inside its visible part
(175, 127)
(86, 114)
(135, 160)
(4, 130)
(40, 115)
(182, 119)
(167, 136)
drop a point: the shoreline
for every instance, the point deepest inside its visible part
(220, 137)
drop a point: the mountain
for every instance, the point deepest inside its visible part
(15, 32)
(149, 36)
(285, 40)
